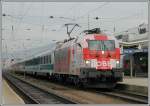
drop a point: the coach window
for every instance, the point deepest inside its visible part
(35, 61)
(42, 60)
(49, 58)
(39, 60)
(45, 59)
(32, 62)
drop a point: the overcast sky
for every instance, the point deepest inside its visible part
(31, 20)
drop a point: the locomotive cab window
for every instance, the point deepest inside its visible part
(101, 45)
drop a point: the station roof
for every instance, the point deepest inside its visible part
(131, 51)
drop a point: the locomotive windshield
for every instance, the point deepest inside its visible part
(101, 45)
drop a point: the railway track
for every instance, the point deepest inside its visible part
(115, 94)
(126, 95)
(33, 94)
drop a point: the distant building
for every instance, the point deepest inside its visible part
(133, 34)
(134, 42)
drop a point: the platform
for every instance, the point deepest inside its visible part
(134, 84)
(135, 81)
(9, 96)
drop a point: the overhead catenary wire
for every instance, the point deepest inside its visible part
(92, 10)
(91, 21)
(95, 9)
(25, 13)
(88, 13)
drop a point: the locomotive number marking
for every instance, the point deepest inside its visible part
(104, 64)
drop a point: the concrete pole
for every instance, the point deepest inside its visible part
(1, 52)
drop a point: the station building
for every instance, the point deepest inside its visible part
(134, 44)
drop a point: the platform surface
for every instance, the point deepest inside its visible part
(9, 96)
(135, 81)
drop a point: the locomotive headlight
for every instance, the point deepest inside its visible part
(102, 52)
(87, 62)
(117, 62)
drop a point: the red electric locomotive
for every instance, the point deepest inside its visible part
(92, 60)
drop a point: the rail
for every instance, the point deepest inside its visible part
(33, 94)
